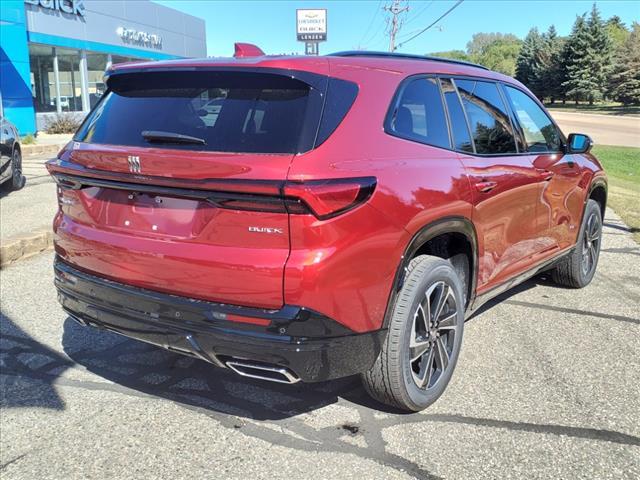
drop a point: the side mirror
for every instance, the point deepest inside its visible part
(579, 143)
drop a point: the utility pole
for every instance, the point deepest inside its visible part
(394, 22)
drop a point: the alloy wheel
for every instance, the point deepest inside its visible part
(432, 335)
(16, 167)
(591, 243)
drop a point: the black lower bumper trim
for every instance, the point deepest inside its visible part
(312, 346)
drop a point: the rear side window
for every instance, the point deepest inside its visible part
(229, 112)
(488, 117)
(419, 114)
(459, 128)
(540, 134)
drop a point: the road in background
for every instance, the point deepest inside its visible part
(603, 129)
(547, 386)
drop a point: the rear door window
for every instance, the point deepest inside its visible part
(459, 128)
(229, 112)
(419, 114)
(488, 117)
(540, 134)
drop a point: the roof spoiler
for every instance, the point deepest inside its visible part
(243, 50)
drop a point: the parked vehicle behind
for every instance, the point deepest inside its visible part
(10, 156)
(309, 218)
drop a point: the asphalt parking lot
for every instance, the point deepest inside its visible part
(547, 386)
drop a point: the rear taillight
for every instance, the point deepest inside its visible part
(329, 198)
(322, 198)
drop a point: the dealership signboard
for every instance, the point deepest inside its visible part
(311, 25)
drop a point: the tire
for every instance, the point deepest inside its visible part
(577, 270)
(398, 380)
(17, 179)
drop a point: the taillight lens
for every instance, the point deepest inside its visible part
(329, 198)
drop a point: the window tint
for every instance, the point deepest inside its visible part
(459, 129)
(340, 96)
(419, 114)
(539, 131)
(488, 117)
(231, 112)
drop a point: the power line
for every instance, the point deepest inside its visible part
(375, 14)
(417, 15)
(430, 25)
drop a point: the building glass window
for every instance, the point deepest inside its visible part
(96, 65)
(70, 81)
(43, 83)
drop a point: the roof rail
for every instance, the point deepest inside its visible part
(407, 56)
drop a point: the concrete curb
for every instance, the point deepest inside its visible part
(28, 150)
(25, 245)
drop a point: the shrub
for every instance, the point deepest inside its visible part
(28, 140)
(62, 124)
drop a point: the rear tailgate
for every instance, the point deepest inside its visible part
(203, 220)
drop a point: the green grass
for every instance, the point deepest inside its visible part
(601, 108)
(622, 165)
(28, 140)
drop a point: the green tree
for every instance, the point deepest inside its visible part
(526, 68)
(625, 79)
(588, 59)
(617, 31)
(453, 54)
(550, 72)
(500, 55)
(479, 41)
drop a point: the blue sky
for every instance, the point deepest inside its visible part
(353, 24)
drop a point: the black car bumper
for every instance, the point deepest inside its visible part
(306, 344)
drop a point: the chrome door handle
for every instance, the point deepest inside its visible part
(545, 175)
(486, 187)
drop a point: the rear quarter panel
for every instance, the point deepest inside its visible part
(344, 267)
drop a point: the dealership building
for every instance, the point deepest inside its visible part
(54, 52)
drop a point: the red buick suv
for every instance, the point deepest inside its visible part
(309, 218)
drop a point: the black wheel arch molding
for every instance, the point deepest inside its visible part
(447, 225)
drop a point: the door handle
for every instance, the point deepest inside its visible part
(545, 175)
(486, 187)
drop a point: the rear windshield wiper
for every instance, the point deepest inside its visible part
(170, 137)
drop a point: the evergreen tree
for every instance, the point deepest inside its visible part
(625, 80)
(550, 68)
(618, 31)
(526, 63)
(601, 54)
(588, 59)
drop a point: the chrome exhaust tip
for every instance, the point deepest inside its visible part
(261, 371)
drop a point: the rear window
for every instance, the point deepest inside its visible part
(224, 111)
(419, 114)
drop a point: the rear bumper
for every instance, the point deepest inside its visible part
(312, 346)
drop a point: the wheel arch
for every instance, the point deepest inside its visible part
(598, 191)
(419, 243)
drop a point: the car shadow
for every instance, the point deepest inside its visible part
(29, 369)
(158, 372)
(151, 370)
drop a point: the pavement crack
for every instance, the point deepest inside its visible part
(14, 460)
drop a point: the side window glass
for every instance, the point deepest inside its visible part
(419, 114)
(488, 117)
(459, 129)
(539, 131)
